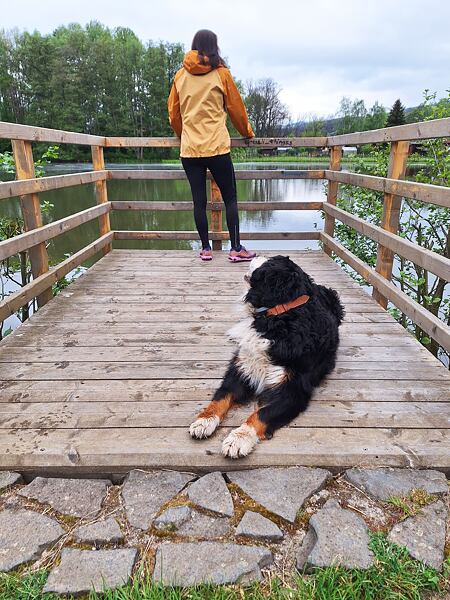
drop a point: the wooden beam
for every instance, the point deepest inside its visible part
(188, 206)
(433, 326)
(390, 219)
(101, 193)
(273, 142)
(425, 192)
(332, 193)
(431, 261)
(437, 128)
(47, 232)
(216, 214)
(11, 303)
(31, 214)
(250, 174)
(193, 235)
(10, 189)
(10, 131)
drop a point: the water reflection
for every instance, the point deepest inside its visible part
(71, 200)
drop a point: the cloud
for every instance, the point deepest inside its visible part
(317, 52)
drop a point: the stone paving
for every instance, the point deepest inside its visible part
(234, 527)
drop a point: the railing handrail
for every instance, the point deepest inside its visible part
(436, 128)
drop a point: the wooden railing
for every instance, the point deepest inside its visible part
(389, 243)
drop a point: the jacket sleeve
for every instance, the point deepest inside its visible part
(235, 105)
(173, 105)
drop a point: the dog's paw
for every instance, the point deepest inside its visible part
(204, 427)
(240, 442)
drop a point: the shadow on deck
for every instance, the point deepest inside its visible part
(108, 376)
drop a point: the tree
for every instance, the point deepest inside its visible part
(396, 115)
(376, 117)
(352, 116)
(269, 116)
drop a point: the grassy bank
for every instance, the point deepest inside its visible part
(394, 576)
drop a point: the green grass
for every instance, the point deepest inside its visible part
(394, 576)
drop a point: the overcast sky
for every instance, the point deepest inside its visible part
(317, 50)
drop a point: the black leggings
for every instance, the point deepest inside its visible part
(222, 170)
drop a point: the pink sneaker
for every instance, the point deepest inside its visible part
(206, 254)
(242, 256)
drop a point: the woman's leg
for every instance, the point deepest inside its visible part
(195, 169)
(222, 170)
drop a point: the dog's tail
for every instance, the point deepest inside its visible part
(331, 300)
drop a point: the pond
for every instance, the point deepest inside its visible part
(74, 199)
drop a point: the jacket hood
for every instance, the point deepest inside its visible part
(193, 65)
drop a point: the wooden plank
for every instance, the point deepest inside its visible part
(11, 303)
(247, 174)
(165, 142)
(193, 235)
(165, 352)
(50, 231)
(361, 316)
(119, 450)
(101, 194)
(431, 261)
(191, 390)
(216, 214)
(390, 219)
(425, 192)
(151, 415)
(14, 131)
(186, 254)
(168, 339)
(435, 328)
(10, 189)
(332, 193)
(436, 128)
(32, 217)
(188, 206)
(206, 369)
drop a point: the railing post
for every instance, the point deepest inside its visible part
(101, 192)
(216, 213)
(391, 214)
(335, 165)
(31, 213)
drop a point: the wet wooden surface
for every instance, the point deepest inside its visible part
(108, 376)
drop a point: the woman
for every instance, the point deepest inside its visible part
(202, 93)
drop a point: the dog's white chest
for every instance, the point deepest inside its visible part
(253, 361)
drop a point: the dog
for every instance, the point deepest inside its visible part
(285, 348)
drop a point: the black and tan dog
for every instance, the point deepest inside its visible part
(286, 347)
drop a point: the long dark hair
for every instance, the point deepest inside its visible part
(205, 42)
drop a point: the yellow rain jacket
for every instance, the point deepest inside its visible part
(198, 104)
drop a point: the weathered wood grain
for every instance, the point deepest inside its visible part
(75, 451)
(109, 374)
(188, 206)
(110, 414)
(9, 189)
(214, 235)
(425, 192)
(332, 193)
(192, 390)
(31, 215)
(101, 194)
(390, 218)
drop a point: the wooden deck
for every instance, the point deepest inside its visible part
(107, 376)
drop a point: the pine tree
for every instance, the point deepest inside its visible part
(396, 115)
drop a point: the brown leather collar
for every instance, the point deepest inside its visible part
(279, 309)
